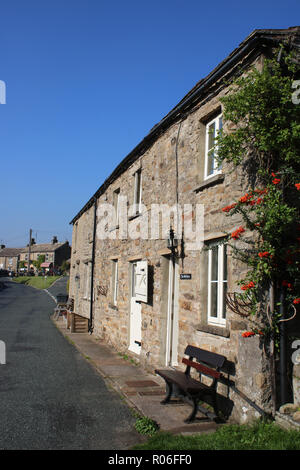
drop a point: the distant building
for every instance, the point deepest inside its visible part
(55, 253)
(9, 258)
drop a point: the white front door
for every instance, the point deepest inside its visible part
(172, 315)
(135, 326)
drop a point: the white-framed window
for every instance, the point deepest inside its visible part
(217, 283)
(137, 198)
(116, 204)
(115, 282)
(212, 129)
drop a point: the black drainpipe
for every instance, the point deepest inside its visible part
(93, 266)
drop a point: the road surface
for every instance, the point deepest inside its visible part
(50, 396)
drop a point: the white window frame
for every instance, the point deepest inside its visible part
(218, 319)
(217, 170)
(115, 282)
(137, 197)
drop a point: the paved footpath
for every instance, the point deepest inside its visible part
(142, 390)
(51, 397)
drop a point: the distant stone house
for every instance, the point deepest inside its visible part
(9, 258)
(138, 296)
(55, 253)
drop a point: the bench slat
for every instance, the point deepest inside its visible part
(211, 359)
(201, 368)
(185, 382)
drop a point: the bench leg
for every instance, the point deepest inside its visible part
(216, 406)
(169, 390)
(194, 412)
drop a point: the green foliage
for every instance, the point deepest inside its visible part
(39, 282)
(40, 260)
(258, 436)
(146, 426)
(264, 141)
(266, 122)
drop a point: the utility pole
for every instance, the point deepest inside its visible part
(29, 250)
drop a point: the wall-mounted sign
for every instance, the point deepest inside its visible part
(185, 276)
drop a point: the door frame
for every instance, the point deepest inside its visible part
(172, 323)
(131, 346)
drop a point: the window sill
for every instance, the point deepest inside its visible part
(214, 330)
(213, 181)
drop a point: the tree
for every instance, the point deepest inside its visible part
(264, 144)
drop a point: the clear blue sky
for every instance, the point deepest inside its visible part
(86, 81)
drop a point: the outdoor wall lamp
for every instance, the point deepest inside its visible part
(172, 242)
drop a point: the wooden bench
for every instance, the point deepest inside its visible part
(191, 389)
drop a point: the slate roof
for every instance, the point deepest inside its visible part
(42, 248)
(10, 252)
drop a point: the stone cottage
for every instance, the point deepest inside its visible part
(55, 253)
(9, 258)
(148, 293)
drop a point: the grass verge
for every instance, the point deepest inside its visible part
(259, 436)
(39, 282)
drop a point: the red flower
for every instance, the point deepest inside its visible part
(248, 286)
(228, 208)
(297, 186)
(296, 301)
(276, 181)
(246, 334)
(235, 235)
(246, 198)
(261, 191)
(264, 254)
(287, 284)
(259, 200)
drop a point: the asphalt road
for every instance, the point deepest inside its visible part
(50, 396)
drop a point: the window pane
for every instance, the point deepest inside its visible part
(220, 123)
(211, 135)
(214, 263)
(210, 154)
(224, 263)
(214, 299)
(224, 300)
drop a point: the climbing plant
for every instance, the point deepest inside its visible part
(263, 140)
